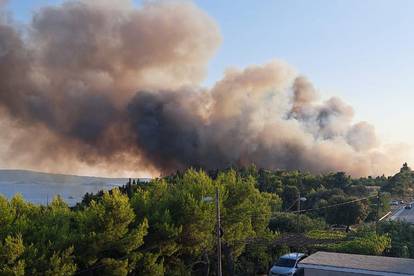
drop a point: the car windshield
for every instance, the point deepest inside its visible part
(285, 262)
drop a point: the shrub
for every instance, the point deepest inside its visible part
(372, 244)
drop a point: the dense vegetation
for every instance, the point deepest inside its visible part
(167, 226)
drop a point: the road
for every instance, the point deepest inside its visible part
(404, 214)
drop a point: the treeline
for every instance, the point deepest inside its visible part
(167, 226)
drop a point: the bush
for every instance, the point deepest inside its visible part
(402, 238)
(371, 244)
(326, 235)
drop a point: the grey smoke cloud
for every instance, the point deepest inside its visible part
(93, 84)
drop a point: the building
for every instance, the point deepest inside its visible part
(339, 264)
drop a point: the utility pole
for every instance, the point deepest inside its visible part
(298, 210)
(297, 222)
(378, 211)
(218, 232)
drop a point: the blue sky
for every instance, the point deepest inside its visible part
(361, 51)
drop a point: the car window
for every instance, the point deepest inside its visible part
(285, 262)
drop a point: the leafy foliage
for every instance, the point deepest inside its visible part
(401, 184)
(352, 213)
(371, 244)
(11, 251)
(324, 234)
(402, 238)
(168, 226)
(289, 222)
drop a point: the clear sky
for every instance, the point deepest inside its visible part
(361, 51)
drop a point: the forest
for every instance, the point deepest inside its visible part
(168, 226)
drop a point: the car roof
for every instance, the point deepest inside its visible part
(293, 256)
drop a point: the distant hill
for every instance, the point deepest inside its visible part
(40, 188)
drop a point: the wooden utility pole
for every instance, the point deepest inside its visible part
(218, 232)
(297, 222)
(378, 211)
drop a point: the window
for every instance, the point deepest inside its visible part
(286, 262)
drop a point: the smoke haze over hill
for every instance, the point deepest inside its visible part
(116, 88)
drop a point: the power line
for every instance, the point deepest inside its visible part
(293, 204)
(334, 205)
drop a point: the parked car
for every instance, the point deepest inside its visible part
(287, 265)
(338, 227)
(341, 227)
(408, 206)
(395, 202)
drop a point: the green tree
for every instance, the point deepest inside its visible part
(401, 184)
(337, 180)
(287, 222)
(106, 232)
(245, 214)
(269, 182)
(370, 244)
(11, 256)
(402, 238)
(290, 196)
(181, 220)
(61, 263)
(348, 214)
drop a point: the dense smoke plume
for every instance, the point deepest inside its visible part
(107, 85)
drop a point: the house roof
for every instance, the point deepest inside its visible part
(373, 265)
